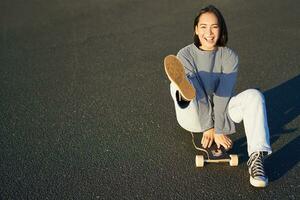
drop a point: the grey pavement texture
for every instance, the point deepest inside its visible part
(86, 111)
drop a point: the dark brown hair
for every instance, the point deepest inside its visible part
(223, 38)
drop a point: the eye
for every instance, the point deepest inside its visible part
(202, 26)
(215, 26)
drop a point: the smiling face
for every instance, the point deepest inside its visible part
(208, 31)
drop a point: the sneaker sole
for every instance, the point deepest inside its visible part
(175, 72)
(258, 183)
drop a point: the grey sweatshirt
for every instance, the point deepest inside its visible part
(213, 74)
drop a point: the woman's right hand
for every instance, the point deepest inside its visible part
(208, 138)
(223, 140)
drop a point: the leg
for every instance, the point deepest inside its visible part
(249, 106)
(184, 96)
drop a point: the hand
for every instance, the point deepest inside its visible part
(223, 140)
(208, 138)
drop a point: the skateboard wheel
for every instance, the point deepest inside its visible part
(234, 161)
(199, 161)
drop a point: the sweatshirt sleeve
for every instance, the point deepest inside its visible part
(224, 91)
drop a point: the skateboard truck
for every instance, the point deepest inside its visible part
(213, 154)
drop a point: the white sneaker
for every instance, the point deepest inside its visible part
(175, 72)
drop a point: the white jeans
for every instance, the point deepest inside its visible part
(247, 106)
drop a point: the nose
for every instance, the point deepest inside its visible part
(208, 31)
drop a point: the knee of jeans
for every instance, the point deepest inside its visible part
(255, 95)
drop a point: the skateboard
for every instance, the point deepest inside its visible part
(213, 154)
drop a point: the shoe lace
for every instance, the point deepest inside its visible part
(256, 165)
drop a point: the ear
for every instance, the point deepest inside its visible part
(196, 29)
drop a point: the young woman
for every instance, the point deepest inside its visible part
(203, 77)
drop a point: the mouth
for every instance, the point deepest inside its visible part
(209, 39)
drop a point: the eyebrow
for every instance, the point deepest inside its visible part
(207, 24)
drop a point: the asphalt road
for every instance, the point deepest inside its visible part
(85, 109)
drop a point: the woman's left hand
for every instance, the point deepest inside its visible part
(223, 140)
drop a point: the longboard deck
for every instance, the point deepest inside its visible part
(213, 154)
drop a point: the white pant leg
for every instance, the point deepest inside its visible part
(249, 106)
(188, 117)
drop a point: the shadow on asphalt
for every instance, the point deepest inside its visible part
(283, 107)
